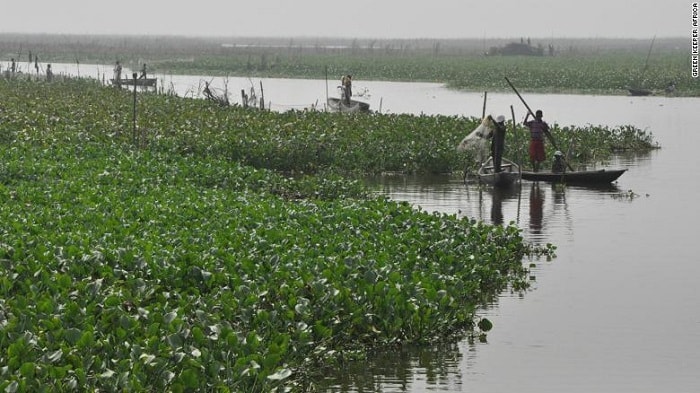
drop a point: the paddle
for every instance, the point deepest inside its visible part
(549, 135)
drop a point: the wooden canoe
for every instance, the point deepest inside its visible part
(509, 175)
(601, 176)
(145, 82)
(338, 105)
(639, 92)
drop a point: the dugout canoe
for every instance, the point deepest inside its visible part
(338, 105)
(509, 175)
(145, 82)
(601, 176)
(639, 92)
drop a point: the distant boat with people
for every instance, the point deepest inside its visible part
(340, 105)
(142, 82)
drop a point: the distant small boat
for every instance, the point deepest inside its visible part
(639, 92)
(509, 175)
(145, 82)
(601, 176)
(338, 105)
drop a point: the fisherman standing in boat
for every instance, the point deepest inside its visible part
(346, 82)
(538, 129)
(143, 72)
(498, 141)
(117, 74)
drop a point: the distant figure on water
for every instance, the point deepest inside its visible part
(538, 129)
(117, 72)
(13, 67)
(143, 72)
(558, 165)
(346, 83)
(49, 73)
(670, 88)
(498, 141)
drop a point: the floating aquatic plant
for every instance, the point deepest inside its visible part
(186, 263)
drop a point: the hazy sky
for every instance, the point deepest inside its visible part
(358, 19)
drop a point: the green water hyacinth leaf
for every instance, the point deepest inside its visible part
(55, 356)
(485, 325)
(253, 366)
(168, 376)
(175, 340)
(302, 307)
(27, 370)
(147, 359)
(72, 335)
(190, 378)
(280, 375)
(12, 387)
(169, 317)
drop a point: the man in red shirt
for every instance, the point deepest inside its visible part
(538, 129)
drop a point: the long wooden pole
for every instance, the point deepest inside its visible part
(134, 135)
(326, 85)
(512, 113)
(547, 133)
(520, 169)
(262, 97)
(646, 62)
(483, 110)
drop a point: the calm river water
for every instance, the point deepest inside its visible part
(616, 311)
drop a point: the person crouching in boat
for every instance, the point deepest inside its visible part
(538, 129)
(558, 165)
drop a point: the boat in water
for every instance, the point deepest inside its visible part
(142, 82)
(338, 105)
(639, 92)
(600, 176)
(509, 174)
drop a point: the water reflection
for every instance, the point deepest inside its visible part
(540, 209)
(437, 368)
(498, 197)
(536, 205)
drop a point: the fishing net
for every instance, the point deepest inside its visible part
(478, 141)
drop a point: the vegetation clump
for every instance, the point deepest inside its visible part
(588, 66)
(223, 251)
(230, 249)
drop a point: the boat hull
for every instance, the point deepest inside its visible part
(639, 92)
(500, 179)
(602, 176)
(509, 175)
(144, 82)
(338, 105)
